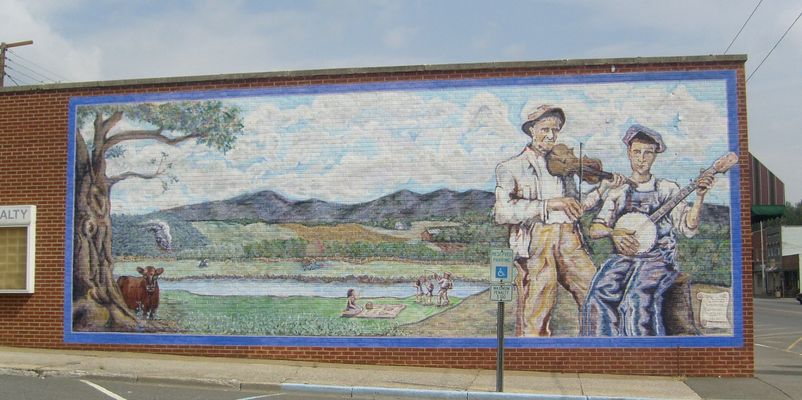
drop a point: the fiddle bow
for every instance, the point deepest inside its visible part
(561, 161)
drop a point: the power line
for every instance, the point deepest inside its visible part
(13, 80)
(775, 46)
(20, 74)
(743, 26)
(3, 48)
(24, 74)
(14, 62)
(62, 78)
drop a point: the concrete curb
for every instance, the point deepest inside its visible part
(359, 391)
(18, 372)
(194, 382)
(345, 391)
(255, 387)
(131, 378)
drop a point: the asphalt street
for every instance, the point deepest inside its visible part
(778, 357)
(778, 325)
(778, 344)
(35, 388)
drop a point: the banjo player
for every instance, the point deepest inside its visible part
(626, 294)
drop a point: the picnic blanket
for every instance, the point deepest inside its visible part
(378, 311)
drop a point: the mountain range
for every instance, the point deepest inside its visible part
(271, 207)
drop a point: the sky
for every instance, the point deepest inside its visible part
(78, 41)
(351, 144)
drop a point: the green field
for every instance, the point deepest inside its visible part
(284, 316)
(378, 271)
(226, 232)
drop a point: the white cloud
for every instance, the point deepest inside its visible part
(356, 146)
(599, 115)
(52, 56)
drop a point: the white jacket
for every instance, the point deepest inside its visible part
(519, 203)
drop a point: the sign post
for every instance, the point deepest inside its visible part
(500, 347)
(501, 275)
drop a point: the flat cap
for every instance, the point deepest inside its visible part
(637, 129)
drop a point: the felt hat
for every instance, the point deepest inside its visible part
(541, 112)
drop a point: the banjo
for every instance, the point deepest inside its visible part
(645, 226)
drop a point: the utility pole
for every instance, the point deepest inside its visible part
(3, 47)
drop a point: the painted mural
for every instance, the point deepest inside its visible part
(364, 215)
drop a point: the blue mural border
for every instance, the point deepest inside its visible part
(734, 340)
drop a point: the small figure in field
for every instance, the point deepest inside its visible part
(351, 307)
(429, 292)
(420, 285)
(446, 284)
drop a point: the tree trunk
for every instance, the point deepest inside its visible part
(97, 302)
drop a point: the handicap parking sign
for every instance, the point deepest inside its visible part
(501, 269)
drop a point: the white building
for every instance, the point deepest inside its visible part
(791, 254)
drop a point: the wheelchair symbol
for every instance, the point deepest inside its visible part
(502, 272)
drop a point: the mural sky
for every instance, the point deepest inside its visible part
(354, 144)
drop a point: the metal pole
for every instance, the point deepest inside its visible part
(2, 64)
(3, 47)
(763, 261)
(500, 347)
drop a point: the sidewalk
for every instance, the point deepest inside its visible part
(340, 379)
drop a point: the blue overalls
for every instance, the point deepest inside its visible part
(626, 295)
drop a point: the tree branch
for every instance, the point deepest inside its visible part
(126, 175)
(152, 135)
(160, 170)
(81, 151)
(102, 128)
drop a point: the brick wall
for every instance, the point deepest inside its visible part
(33, 145)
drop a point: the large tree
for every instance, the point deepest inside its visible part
(97, 301)
(792, 214)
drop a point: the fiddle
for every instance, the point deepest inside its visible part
(561, 161)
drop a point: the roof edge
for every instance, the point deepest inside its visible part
(380, 70)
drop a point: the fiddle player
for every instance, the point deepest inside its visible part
(626, 295)
(541, 212)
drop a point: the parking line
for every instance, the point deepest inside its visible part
(261, 397)
(794, 344)
(778, 328)
(774, 310)
(103, 390)
(778, 334)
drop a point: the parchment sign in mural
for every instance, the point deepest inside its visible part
(363, 215)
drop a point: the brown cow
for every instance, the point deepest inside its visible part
(142, 293)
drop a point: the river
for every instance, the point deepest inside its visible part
(288, 287)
